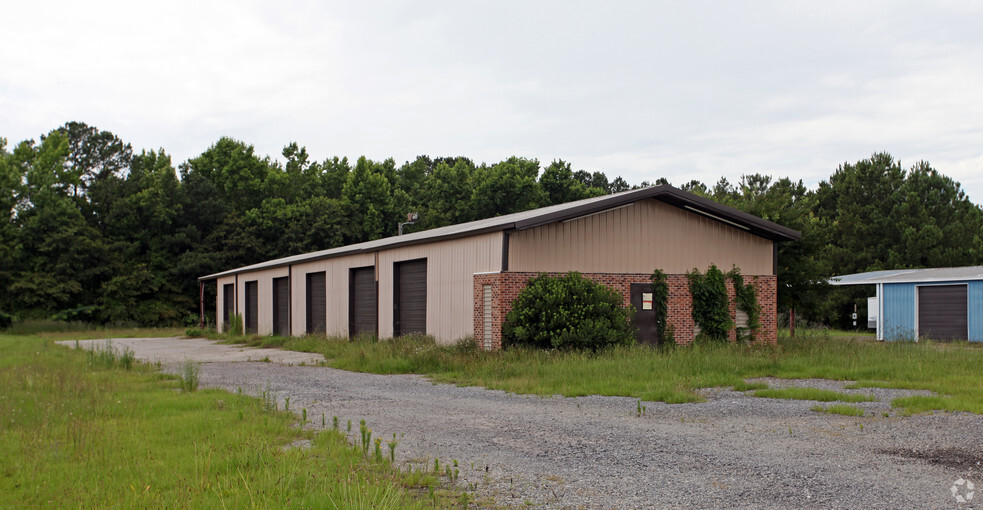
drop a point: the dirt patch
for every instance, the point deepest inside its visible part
(954, 458)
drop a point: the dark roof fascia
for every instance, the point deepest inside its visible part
(672, 196)
(760, 226)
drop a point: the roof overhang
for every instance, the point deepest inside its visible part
(925, 275)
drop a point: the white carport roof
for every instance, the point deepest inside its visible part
(938, 274)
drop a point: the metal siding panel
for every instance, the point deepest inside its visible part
(974, 307)
(336, 290)
(637, 239)
(899, 311)
(450, 293)
(264, 296)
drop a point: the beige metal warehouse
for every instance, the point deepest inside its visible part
(455, 281)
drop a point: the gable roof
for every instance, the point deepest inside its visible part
(542, 216)
(937, 274)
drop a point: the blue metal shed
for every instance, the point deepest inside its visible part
(939, 303)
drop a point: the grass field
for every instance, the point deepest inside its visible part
(673, 375)
(95, 430)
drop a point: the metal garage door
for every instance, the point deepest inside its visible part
(316, 305)
(942, 312)
(362, 311)
(281, 306)
(410, 303)
(252, 306)
(228, 304)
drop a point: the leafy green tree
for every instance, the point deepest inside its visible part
(331, 177)
(596, 180)
(283, 229)
(236, 172)
(506, 187)
(802, 275)
(368, 203)
(618, 185)
(10, 192)
(880, 216)
(447, 194)
(146, 241)
(61, 260)
(940, 226)
(560, 186)
(696, 187)
(859, 200)
(93, 156)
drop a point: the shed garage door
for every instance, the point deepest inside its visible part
(942, 312)
(317, 310)
(281, 306)
(252, 307)
(362, 298)
(410, 313)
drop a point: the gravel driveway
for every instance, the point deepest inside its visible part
(732, 451)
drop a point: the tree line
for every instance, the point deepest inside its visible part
(93, 231)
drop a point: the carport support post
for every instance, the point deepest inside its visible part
(201, 305)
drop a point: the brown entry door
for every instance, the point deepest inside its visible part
(942, 312)
(647, 330)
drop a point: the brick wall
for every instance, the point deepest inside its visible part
(506, 287)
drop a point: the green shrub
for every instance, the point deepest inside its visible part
(567, 311)
(189, 375)
(234, 326)
(5, 320)
(747, 302)
(711, 310)
(78, 314)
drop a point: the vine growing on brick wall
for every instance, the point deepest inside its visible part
(711, 310)
(747, 302)
(660, 301)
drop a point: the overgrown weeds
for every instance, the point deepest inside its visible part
(108, 356)
(189, 375)
(145, 445)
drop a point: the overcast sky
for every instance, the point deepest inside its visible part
(641, 89)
